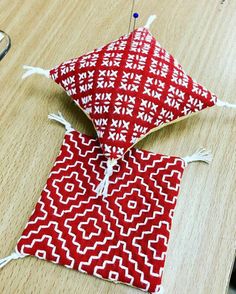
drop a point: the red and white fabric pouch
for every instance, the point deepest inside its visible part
(129, 88)
(122, 237)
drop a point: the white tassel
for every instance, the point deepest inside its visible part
(150, 21)
(60, 118)
(30, 70)
(200, 155)
(225, 104)
(15, 255)
(102, 188)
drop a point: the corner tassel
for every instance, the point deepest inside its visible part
(150, 21)
(225, 104)
(60, 118)
(200, 155)
(30, 70)
(102, 188)
(15, 255)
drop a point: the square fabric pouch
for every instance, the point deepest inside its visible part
(122, 237)
(129, 88)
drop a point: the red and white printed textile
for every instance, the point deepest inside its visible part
(129, 88)
(122, 237)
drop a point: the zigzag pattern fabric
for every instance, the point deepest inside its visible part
(123, 237)
(129, 88)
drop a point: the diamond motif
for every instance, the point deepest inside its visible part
(122, 237)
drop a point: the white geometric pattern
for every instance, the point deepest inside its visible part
(122, 237)
(132, 81)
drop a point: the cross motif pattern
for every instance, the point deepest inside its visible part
(132, 80)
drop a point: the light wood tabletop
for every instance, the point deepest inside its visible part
(201, 35)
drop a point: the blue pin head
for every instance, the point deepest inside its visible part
(136, 15)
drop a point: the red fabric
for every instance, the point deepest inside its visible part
(122, 237)
(130, 87)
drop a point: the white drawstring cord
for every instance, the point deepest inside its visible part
(60, 118)
(15, 255)
(150, 21)
(225, 104)
(30, 70)
(102, 188)
(200, 155)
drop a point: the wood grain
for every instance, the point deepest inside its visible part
(201, 35)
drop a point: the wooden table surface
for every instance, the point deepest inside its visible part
(201, 35)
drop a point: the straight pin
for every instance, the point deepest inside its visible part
(131, 15)
(135, 16)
